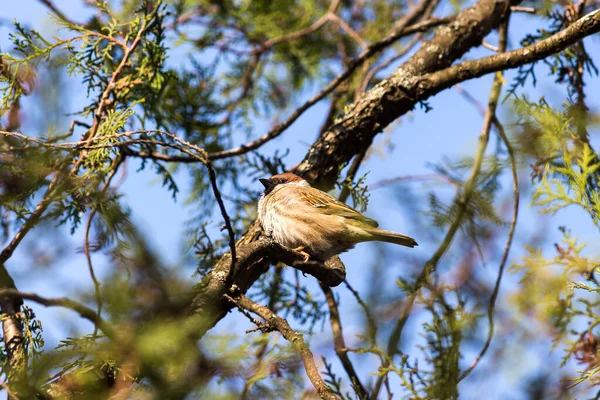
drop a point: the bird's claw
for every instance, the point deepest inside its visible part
(300, 249)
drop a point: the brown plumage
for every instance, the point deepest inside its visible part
(301, 217)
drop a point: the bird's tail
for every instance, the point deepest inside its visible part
(382, 235)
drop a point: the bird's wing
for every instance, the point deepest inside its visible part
(328, 204)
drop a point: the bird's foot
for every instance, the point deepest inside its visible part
(300, 249)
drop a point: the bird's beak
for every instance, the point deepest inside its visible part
(267, 183)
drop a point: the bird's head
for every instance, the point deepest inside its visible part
(286, 179)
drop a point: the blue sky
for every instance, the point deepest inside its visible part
(450, 130)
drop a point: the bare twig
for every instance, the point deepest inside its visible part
(86, 239)
(408, 178)
(469, 97)
(339, 343)
(213, 183)
(368, 315)
(351, 32)
(489, 46)
(295, 338)
(507, 247)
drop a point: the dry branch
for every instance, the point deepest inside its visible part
(293, 337)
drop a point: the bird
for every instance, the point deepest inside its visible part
(314, 223)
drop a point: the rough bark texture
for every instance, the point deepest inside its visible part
(254, 255)
(390, 99)
(350, 134)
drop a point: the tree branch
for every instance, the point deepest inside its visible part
(255, 254)
(433, 83)
(391, 98)
(339, 343)
(83, 311)
(12, 327)
(295, 338)
(507, 247)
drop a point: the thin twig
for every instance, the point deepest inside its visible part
(351, 32)
(368, 315)
(86, 240)
(528, 10)
(469, 97)
(353, 65)
(489, 46)
(295, 338)
(339, 342)
(302, 32)
(408, 178)
(213, 183)
(507, 247)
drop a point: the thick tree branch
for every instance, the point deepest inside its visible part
(391, 98)
(436, 82)
(255, 254)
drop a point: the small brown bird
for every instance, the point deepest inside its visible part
(313, 222)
